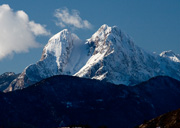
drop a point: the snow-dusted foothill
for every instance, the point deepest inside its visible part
(109, 55)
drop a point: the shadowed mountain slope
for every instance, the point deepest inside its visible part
(67, 100)
(168, 120)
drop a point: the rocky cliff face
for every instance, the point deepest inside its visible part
(109, 55)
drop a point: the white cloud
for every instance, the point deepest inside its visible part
(38, 29)
(17, 33)
(65, 19)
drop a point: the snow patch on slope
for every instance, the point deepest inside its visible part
(171, 55)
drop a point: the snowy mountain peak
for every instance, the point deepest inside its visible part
(107, 38)
(60, 48)
(62, 34)
(105, 31)
(171, 55)
(167, 53)
(108, 55)
(60, 44)
(108, 29)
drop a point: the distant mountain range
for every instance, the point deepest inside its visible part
(67, 100)
(109, 55)
(6, 79)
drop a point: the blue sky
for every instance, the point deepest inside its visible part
(154, 25)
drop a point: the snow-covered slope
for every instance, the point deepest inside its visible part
(55, 60)
(171, 55)
(169, 64)
(108, 55)
(115, 58)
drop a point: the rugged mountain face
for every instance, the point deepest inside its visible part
(109, 55)
(116, 59)
(168, 120)
(171, 56)
(67, 100)
(6, 79)
(54, 60)
(170, 64)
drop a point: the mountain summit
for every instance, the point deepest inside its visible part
(109, 55)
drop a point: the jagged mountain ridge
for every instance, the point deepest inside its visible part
(6, 78)
(61, 101)
(109, 55)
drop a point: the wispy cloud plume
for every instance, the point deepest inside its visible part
(66, 18)
(17, 32)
